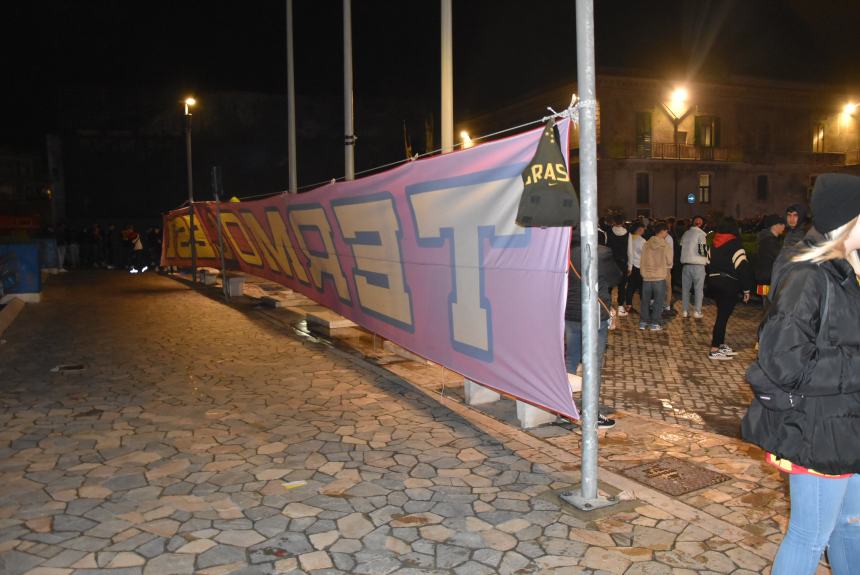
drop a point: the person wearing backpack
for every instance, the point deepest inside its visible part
(806, 381)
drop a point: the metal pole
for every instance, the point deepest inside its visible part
(349, 137)
(291, 105)
(587, 499)
(675, 123)
(216, 191)
(447, 78)
(191, 232)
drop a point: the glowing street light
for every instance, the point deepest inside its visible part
(849, 109)
(189, 103)
(679, 95)
(467, 141)
(677, 106)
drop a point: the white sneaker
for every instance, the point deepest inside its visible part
(727, 350)
(697, 315)
(719, 355)
(684, 314)
(622, 312)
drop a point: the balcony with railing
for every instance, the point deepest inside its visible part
(667, 151)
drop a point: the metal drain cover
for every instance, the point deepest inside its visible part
(674, 476)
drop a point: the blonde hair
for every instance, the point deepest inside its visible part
(832, 248)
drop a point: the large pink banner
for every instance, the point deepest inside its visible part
(427, 255)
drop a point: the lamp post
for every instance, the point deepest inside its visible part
(189, 103)
(677, 110)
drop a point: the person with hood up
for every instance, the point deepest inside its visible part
(795, 216)
(730, 273)
(768, 250)
(806, 381)
(656, 261)
(617, 242)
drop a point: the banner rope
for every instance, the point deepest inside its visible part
(569, 112)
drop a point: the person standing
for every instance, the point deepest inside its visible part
(617, 239)
(795, 216)
(768, 250)
(635, 241)
(670, 241)
(656, 262)
(608, 275)
(694, 258)
(730, 273)
(806, 380)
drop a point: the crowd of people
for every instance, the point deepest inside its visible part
(657, 258)
(805, 379)
(108, 247)
(661, 257)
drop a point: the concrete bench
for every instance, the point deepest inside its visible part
(235, 285)
(207, 276)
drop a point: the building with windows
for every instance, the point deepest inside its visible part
(739, 148)
(25, 190)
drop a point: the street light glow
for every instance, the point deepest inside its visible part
(189, 102)
(849, 109)
(680, 95)
(467, 141)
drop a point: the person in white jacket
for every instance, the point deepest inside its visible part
(694, 258)
(634, 253)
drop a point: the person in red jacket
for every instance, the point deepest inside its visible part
(730, 274)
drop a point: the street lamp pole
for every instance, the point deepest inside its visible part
(189, 102)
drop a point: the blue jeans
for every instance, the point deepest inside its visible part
(824, 513)
(573, 337)
(651, 313)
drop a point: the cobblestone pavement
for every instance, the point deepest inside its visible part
(667, 375)
(214, 439)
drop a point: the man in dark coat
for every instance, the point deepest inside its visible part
(608, 276)
(768, 248)
(795, 220)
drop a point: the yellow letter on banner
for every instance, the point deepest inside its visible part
(244, 250)
(371, 229)
(181, 236)
(279, 251)
(182, 243)
(321, 263)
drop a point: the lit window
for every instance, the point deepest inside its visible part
(818, 137)
(704, 188)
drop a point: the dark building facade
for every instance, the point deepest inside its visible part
(738, 148)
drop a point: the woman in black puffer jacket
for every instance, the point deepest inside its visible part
(806, 413)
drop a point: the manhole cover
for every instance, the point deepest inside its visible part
(66, 368)
(674, 476)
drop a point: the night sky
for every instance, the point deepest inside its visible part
(505, 52)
